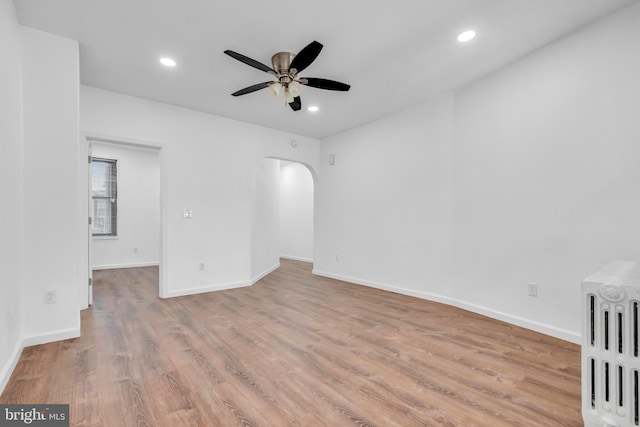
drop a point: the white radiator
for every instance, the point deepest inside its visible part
(611, 346)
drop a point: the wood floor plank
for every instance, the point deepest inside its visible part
(295, 350)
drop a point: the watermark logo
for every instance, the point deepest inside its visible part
(34, 415)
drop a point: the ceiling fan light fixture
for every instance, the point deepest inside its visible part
(274, 88)
(466, 36)
(167, 62)
(294, 88)
(289, 97)
(286, 66)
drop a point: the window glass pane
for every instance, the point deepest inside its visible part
(103, 178)
(99, 178)
(102, 216)
(104, 193)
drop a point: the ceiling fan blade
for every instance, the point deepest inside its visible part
(250, 89)
(296, 105)
(325, 84)
(252, 62)
(306, 56)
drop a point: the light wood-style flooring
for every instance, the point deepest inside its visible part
(295, 350)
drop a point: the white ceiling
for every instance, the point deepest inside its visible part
(395, 54)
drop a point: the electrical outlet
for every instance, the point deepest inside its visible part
(202, 266)
(337, 258)
(533, 289)
(135, 250)
(50, 296)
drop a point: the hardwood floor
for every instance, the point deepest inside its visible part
(296, 350)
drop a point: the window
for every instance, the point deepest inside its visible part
(104, 190)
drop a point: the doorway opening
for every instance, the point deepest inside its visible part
(296, 211)
(133, 207)
(283, 194)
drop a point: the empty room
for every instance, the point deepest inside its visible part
(409, 213)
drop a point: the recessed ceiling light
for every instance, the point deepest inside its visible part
(465, 36)
(313, 108)
(168, 62)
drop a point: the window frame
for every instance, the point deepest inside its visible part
(112, 197)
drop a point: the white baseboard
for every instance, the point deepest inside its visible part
(220, 286)
(59, 335)
(205, 289)
(543, 328)
(296, 258)
(265, 273)
(131, 265)
(8, 368)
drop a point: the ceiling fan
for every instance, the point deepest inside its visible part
(285, 68)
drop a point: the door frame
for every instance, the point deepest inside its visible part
(90, 138)
(90, 224)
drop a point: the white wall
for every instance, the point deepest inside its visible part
(547, 173)
(10, 191)
(264, 218)
(384, 210)
(207, 165)
(51, 211)
(138, 240)
(528, 175)
(296, 212)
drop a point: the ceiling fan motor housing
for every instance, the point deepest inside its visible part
(281, 62)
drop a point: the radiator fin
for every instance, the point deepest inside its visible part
(636, 404)
(592, 320)
(621, 384)
(634, 327)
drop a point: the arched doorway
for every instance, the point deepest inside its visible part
(282, 220)
(296, 211)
